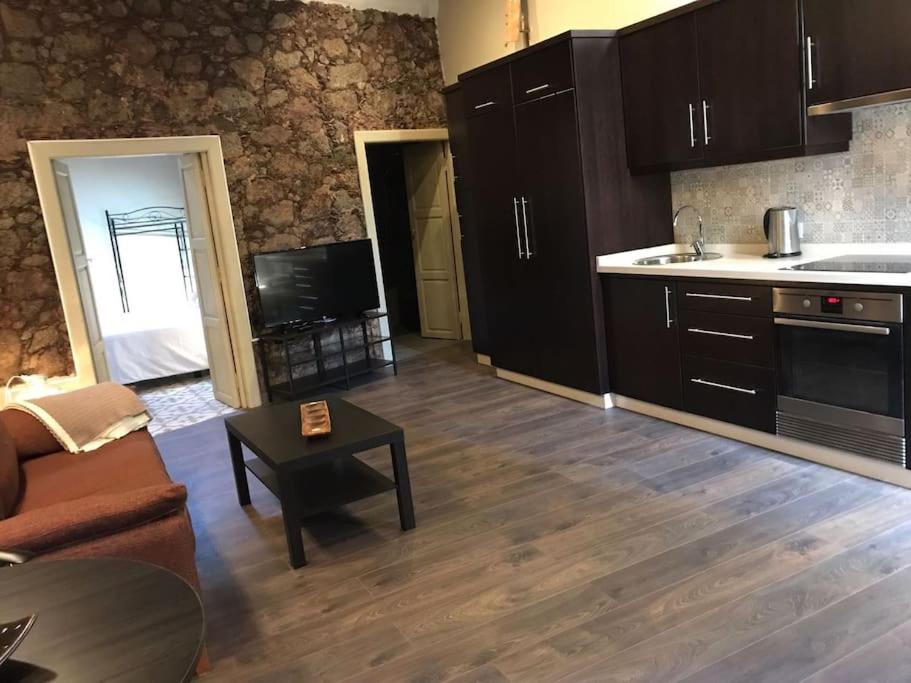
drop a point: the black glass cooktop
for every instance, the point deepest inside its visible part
(863, 263)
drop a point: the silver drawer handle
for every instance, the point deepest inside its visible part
(484, 105)
(705, 122)
(537, 88)
(811, 76)
(515, 211)
(728, 387)
(528, 251)
(696, 330)
(692, 127)
(719, 296)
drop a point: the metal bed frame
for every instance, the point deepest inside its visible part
(151, 220)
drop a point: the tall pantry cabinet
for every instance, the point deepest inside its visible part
(552, 191)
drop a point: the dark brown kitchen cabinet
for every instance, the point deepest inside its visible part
(704, 347)
(506, 278)
(458, 143)
(730, 71)
(552, 199)
(551, 192)
(643, 339)
(661, 95)
(543, 73)
(730, 392)
(856, 49)
(750, 88)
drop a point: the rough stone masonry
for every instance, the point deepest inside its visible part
(284, 84)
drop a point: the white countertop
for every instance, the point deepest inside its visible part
(745, 261)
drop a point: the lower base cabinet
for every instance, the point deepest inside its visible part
(730, 392)
(702, 347)
(643, 346)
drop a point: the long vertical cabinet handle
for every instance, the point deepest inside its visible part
(692, 127)
(667, 307)
(705, 122)
(811, 76)
(528, 252)
(515, 213)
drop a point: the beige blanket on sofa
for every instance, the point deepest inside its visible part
(86, 419)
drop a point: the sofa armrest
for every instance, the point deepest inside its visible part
(65, 524)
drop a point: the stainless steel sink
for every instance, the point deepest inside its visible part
(666, 259)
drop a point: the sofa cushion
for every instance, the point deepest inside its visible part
(31, 437)
(65, 524)
(124, 465)
(9, 473)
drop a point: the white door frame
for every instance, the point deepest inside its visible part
(362, 138)
(43, 153)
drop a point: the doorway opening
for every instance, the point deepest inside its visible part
(130, 237)
(419, 243)
(203, 251)
(131, 223)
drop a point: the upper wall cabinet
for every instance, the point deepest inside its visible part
(718, 85)
(858, 53)
(661, 95)
(750, 77)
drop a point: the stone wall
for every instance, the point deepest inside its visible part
(285, 84)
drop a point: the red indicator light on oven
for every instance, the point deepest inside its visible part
(834, 300)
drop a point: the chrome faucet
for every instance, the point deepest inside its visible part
(698, 244)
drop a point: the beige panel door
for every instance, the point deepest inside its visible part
(208, 284)
(81, 265)
(457, 242)
(431, 237)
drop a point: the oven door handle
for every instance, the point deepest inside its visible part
(837, 327)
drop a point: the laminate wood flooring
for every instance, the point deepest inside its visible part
(555, 542)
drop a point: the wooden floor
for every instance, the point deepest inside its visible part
(556, 542)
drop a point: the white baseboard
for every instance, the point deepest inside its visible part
(597, 400)
(483, 360)
(849, 462)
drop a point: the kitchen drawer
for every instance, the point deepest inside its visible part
(542, 73)
(735, 338)
(487, 91)
(723, 298)
(739, 394)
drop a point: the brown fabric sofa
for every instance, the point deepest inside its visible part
(117, 501)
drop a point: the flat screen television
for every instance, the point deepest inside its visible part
(316, 283)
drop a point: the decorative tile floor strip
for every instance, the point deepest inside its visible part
(181, 403)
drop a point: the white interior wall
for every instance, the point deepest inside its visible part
(473, 32)
(152, 269)
(162, 333)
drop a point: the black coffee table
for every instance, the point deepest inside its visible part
(313, 475)
(101, 620)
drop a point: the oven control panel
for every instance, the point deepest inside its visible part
(871, 306)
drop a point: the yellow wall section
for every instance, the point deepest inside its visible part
(473, 32)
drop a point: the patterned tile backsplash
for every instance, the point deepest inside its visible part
(862, 195)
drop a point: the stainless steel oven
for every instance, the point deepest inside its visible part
(840, 357)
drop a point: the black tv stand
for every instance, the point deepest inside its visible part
(321, 348)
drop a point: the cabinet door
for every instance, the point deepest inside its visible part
(458, 140)
(858, 48)
(492, 146)
(750, 77)
(661, 94)
(561, 269)
(642, 340)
